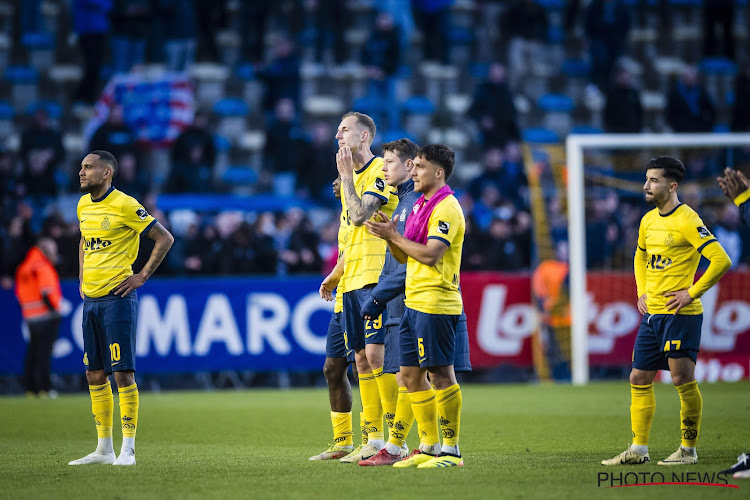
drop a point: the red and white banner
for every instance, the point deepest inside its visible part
(502, 320)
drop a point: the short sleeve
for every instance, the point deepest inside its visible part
(377, 186)
(445, 223)
(695, 232)
(642, 237)
(135, 216)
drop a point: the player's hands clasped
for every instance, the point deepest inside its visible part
(678, 300)
(642, 307)
(344, 162)
(733, 183)
(381, 226)
(130, 284)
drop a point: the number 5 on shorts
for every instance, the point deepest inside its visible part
(420, 344)
(675, 345)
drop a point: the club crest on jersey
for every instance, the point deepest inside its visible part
(416, 208)
(403, 214)
(141, 212)
(379, 184)
(704, 232)
(105, 223)
(669, 240)
(443, 227)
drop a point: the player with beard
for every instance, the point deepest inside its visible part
(111, 223)
(671, 240)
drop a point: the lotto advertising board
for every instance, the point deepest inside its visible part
(273, 324)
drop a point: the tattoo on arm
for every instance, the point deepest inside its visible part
(164, 241)
(360, 209)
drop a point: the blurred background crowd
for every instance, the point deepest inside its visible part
(234, 148)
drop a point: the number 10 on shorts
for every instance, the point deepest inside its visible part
(114, 351)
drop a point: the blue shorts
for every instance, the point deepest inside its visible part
(663, 336)
(109, 326)
(357, 330)
(461, 359)
(428, 340)
(336, 341)
(391, 358)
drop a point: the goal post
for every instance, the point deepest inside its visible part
(576, 145)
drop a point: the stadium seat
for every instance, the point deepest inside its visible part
(239, 175)
(253, 141)
(577, 72)
(230, 44)
(323, 106)
(41, 48)
(210, 79)
(395, 134)
(252, 92)
(24, 85)
(371, 105)
(719, 74)
(586, 130)
(540, 135)
(441, 80)
(418, 111)
(231, 113)
(557, 110)
(7, 112)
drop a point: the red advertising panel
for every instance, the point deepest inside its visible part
(502, 319)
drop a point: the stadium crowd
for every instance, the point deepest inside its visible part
(283, 41)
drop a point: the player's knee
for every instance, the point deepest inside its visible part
(125, 378)
(96, 377)
(334, 372)
(638, 377)
(679, 379)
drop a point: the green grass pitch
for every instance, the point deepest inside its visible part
(518, 441)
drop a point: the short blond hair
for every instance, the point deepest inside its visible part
(363, 120)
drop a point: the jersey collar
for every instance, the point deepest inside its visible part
(365, 167)
(671, 211)
(111, 188)
(405, 187)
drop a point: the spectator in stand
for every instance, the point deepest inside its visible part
(402, 17)
(114, 135)
(301, 254)
(741, 107)
(623, 112)
(727, 232)
(330, 17)
(193, 158)
(255, 17)
(689, 106)
(130, 28)
(203, 250)
(606, 25)
(484, 206)
(381, 57)
(509, 182)
(41, 153)
(433, 18)
(494, 111)
(180, 26)
(9, 186)
(472, 258)
(211, 15)
(38, 291)
(16, 242)
(281, 75)
(718, 13)
(285, 141)
(319, 156)
(525, 23)
(91, 25)
(55, 228)
(502, 250)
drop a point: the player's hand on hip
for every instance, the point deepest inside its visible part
(344, 162)
(678, 300)
(642, 306)
(130, 284)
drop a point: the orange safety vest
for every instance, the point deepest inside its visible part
(36, 275)
(547, 285)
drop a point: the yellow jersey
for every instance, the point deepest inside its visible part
(669, 250)
(435, 289)
(365, 253)
(110, 227)
(344, 231)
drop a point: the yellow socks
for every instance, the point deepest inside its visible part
(449, 402)
(691, 409)
(388, 389)
(403, 420)
(363, 427)
(342, 428)
(425, 407)
(129, 410)
(102, 405)
(642, 406)
(368, 390)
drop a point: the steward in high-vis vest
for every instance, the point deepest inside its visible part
(38, 292)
